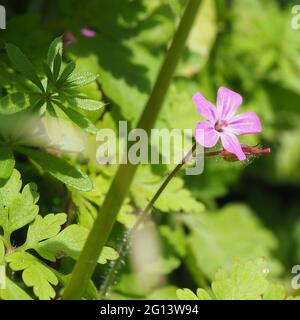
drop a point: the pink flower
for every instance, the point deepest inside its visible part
(222, 123)
(88, 32)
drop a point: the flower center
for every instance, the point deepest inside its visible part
(220, 125)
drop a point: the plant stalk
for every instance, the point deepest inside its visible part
(120, 186)
(122, 251)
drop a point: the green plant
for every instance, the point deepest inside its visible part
(246, 281)
(159, 232)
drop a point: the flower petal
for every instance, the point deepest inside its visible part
(205, 108)
(245, 123)
(88, 32)
(228, 102)
(231, 144)
(206, 135)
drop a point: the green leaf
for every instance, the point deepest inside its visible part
(85, 103)
(275, 291)
(174, 198)
(35, 274)
(2, 253)
(59, 168)
(69, 68)
(79, 119)
(127, 68)
(55, 48)
(44, 228)
(245, 282)
(70, 242)
(87, 212)
(7, 164)
(48, 73)
(56, 66)
(81, 79)
(16, 102)
(163, 293)
(175, 238)
(22, 63)
(215, 241)
(186, 294)
(10, 189)
(13, 292)
(203, 295)
(23, 209)
(18, 209)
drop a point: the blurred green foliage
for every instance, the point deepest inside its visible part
(201, 223)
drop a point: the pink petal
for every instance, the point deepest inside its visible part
(205, 108)
(231, 144)
(227, 103)
(88, 32)
(245, 123)
(206, 135)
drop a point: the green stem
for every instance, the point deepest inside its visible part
(122, 251)
(119, 188)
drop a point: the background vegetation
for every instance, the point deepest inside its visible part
(228, 217)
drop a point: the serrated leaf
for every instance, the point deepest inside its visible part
(11, 188)
(22, 210)
(18, 209)
(22, 63)
(54, 49)
(35, 274)
(44, 228)
(81, 79)
(59, 168)
(70, 242)
(16, 102)
(246, 281)
(85, 103)
(7, 164)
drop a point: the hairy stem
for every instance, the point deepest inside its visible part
(123, 249)
(120, 186)
(142, 217)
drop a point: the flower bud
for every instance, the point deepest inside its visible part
(248, 151)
